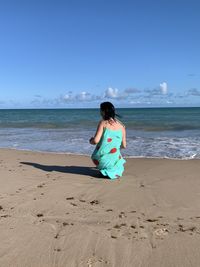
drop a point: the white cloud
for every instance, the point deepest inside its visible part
(163, 88)
(67, 97)
(129, 91)
(193, 92)
(83, 96)
(80, 97)
(153, 92)
(155, 96)
(112, 93)
(135, 102)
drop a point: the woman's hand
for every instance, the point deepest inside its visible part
(92, 141)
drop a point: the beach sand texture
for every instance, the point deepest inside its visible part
(56, 212)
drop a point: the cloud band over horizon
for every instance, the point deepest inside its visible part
(128, 97)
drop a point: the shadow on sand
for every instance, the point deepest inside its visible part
(88, 171)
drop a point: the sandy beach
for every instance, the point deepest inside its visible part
(56, 212)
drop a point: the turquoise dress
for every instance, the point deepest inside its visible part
(107, 156)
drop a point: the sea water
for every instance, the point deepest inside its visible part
(151, 132)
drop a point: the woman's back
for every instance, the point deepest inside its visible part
(113, 124)
(116, 125)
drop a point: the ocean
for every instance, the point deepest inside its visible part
(151, 132)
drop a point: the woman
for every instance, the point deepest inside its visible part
(109, 138)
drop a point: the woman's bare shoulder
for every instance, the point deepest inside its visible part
(101, 123)
(121, 123)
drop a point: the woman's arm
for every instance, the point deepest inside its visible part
(95, 140)
(123, 145)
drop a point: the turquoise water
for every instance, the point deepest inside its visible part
(151, 132)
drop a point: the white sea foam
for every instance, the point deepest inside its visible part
(154, 133)
(76, 142)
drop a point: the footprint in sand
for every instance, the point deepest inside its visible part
(74, 204)
(94, 202)
(67, 224)
(108, 210)
(118, 226)
(56, 236)
(40, 215)
(91, 261)
(133, 226)
(152, 220)
(113, 236)
(57, 249)
(40, 185)
(5, 216)
(179, 219)
(187, 228)
(161, 232)
(69, 198)
(122, 215)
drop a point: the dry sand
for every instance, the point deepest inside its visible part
(56, 212)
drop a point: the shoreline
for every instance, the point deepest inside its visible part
(87, 155)
(56, 211)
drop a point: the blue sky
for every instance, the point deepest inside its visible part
(79, 53)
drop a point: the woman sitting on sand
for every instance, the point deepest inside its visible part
(109, 138)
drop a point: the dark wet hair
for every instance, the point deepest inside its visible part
(109, 111)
